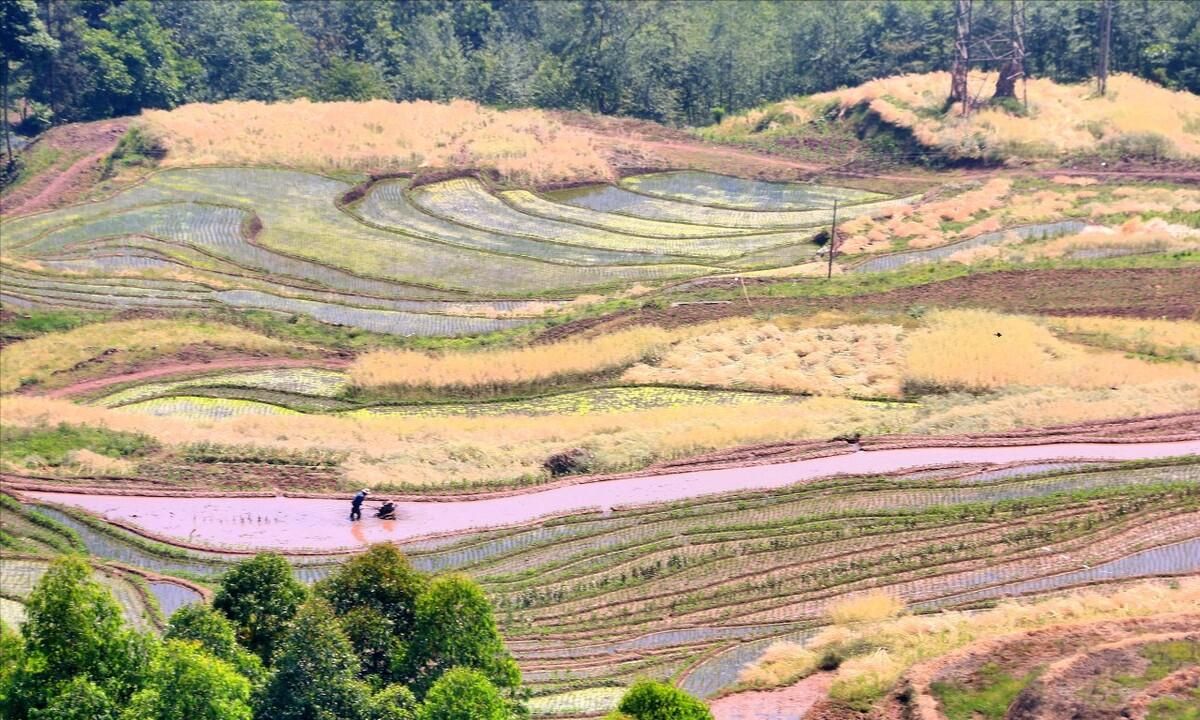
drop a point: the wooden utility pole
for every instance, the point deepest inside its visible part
(962, 55)
(832, 241)
(1105, 43)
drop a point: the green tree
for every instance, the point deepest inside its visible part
(315, 671)
(260, 596)
(394, 702)
(649, 700)
(455, 627)
(350, 80)
(382, 653)
(23, 37)
(382, 579)
(187, 683)
(215, 633)
(12, 655)
(245, 50)
(74, 632)
(132, 62)
(375, 594)
(463, 694)
(78, 698)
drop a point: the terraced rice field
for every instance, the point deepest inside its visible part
(696, 589)
(281, 390)
(315, 382)
(436, 260)
(466, 201)
(895, 261)
(610, 199)
(20, 574)
(204, 408)
(733, 192)
(620, 399)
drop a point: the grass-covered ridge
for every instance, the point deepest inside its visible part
(1136, 118)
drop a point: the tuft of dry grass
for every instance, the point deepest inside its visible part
(87, 462)
(37, 359)
(978, 350)
(500, 368)
(872, 606)
(893, 646)
(525, 145)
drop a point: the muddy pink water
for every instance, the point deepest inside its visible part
(789, 703)
(300, 523)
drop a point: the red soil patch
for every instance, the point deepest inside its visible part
(790, 703)
(1137, 292)
(57, 185)
(1064, 652)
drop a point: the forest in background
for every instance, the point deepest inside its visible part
(680, 62)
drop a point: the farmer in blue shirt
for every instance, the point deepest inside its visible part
(356, 504)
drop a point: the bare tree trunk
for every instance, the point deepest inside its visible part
(8, 153)
(1014, 67)
(962, 54)
(1105, 43)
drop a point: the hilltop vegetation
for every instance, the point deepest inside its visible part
(1135, 120)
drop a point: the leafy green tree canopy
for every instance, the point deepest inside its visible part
(649, 700)
(394, 702)
(74, 633)
(187, 683)
(315, 671)
(260, 596)
(381, 579)
(463, 694)
(455, 627)
(215, 633)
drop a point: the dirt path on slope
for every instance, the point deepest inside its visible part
(315, 525)
(789, 703)
(55, 186)
(88, 386)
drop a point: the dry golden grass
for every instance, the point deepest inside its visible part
(39, 358)
(979, 350)
(850, 360)
(527, 145)
(385, 450)
(93, 463)
(433, 451)
(1162, 338)
(872, 606)
(903, 642)
(500, 368)
(1062, 117)
(954, 414)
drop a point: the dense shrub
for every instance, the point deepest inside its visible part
(649, 700)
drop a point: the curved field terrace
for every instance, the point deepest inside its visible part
(937, 459)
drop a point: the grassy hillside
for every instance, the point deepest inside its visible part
(1135, 118)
